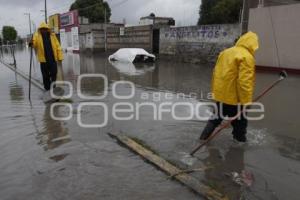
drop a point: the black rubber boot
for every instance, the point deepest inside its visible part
(240, 137)
(208, 130)
(240, 130)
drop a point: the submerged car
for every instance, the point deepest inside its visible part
(133, 55)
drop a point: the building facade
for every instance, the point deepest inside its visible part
(266, 3)
(157, 21)
(279, 33)
(69, 31)
(54, 23)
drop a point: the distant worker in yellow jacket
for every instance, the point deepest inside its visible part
(233, 85)
(49, 52)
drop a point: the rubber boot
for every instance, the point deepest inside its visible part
(208, 130)
(240, 130)
(241, 137)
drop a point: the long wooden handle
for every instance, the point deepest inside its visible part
(30, 68)
(283, 75)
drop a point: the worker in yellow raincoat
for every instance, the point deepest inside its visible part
(233, 85)
(49, 52)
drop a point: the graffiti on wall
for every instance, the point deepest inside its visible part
(209, 31)
(198, 43)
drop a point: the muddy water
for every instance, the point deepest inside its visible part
(46, 159)
(85, 158)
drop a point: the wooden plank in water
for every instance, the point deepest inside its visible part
(189, 181)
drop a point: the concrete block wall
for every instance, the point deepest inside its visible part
(92, 41)
(134, 37)
(197, 43)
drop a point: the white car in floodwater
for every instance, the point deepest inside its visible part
(132, 55)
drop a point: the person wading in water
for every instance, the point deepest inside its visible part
(49, 53)
(233, 85)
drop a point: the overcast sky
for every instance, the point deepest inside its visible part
(185, 12)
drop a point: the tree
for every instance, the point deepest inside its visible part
(94, 10)
(227, 11)
(205, 11)
(220, 11)
(9, 34)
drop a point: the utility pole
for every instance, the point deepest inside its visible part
(30, 30)
(245, 16)
(31, 55)
(46, 11)
(105, 30)
(29, 18)
(242, 17)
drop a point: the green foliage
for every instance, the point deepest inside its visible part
(9, 33)
(94, 10)
(220, 11)
(205, 11)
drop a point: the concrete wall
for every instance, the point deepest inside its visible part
(134, 37)
(197, 43)
(92, 41)
(283, 34)
(92, 36)
(89, 27)
(69, 31)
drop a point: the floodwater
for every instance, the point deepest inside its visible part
(46, 159)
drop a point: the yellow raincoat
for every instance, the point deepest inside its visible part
(234, 75)
(37, 42)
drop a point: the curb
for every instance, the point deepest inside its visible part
(23, 75)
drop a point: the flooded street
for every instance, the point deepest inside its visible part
(46, 159)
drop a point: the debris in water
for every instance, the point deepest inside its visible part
(61, 138)
(58, 158)
(246, 178)
(187, 159)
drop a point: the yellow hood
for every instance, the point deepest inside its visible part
(44, 25)
(249, 41)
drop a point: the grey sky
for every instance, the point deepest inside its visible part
(185, 12)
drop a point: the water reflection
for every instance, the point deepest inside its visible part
(71, 66)
(163, 75)
(16, 91)
(54, 133)
(289, 147)
(233, 161)
(92, 86)
(130, 69)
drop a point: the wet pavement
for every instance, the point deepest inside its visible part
(47, 159)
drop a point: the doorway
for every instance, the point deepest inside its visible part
(155, 41)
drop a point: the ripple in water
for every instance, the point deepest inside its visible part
(257, 137)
